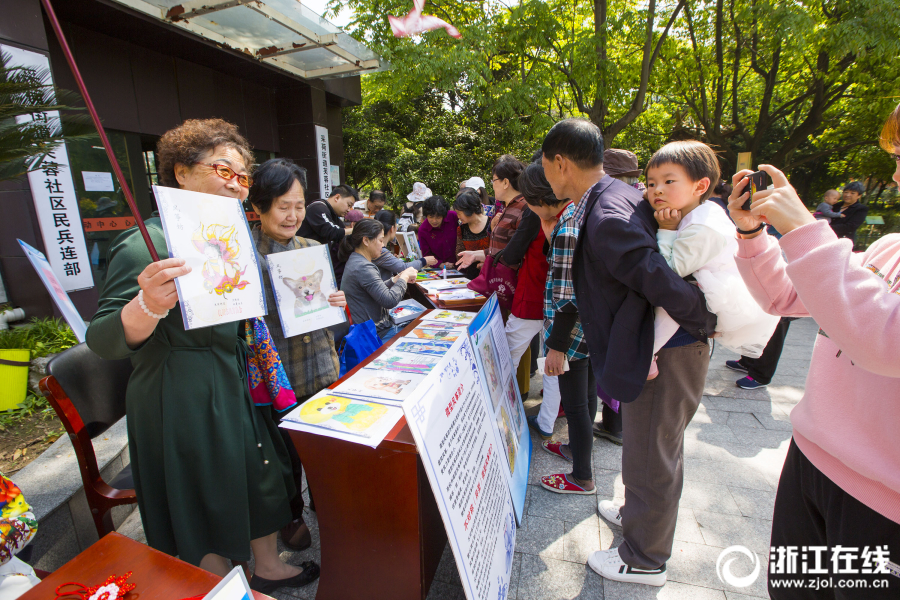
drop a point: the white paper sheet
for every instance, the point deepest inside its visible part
(354, 420)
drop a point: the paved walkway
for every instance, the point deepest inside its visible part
(734, 450)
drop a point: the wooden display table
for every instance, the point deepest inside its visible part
(379, 525)
(157, 576)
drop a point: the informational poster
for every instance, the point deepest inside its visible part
(97, 181)
(211, 233)
(323, 159)
(57, 293)
(502, 398)
(302, 280)
(456, 439)
(54, 196)
(332, 415)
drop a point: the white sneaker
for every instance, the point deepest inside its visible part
(608, 564)
(610, 512)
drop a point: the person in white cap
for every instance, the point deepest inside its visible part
(489, 202)
(410, 220)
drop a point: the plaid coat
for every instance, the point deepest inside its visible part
(310, 359)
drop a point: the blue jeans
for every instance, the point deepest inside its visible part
(389, 333)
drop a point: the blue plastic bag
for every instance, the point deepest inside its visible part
(358, 345)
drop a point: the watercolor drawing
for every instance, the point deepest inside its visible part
(447, 335)
(355, 416)
(404, 363)
(222, 273)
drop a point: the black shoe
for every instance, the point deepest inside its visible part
(602, 432)
(267, 586)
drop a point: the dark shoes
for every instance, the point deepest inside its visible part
(735, 365)
(268, 586)
(295, 535)
(602, 432)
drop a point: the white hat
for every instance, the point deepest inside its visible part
(474, 183)
(420, 193)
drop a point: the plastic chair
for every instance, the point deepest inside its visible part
(88, 394)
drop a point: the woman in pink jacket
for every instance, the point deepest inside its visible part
(838, 501)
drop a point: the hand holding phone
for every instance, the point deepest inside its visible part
(759, 181)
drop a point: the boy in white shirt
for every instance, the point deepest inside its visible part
(697, 238)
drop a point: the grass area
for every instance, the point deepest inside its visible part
(28, 429)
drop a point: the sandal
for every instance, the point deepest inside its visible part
(555, 448)
(561, 484)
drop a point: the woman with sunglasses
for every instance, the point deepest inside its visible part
(212, 473)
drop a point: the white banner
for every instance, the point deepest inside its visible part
(455, 436)
(323, 156)
(54, 196)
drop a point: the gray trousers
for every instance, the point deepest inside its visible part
(653, 454)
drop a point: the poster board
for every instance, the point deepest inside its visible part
(501, 394)
(212, 234)
(54, 194)
(323, 161)
(302, 280)
(409, 245)
(55, 288)
(456, 439)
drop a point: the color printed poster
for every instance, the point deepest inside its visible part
(57, 293)
(451, 316)
(302, 280)
(385, 385)
(501, 394)
(442, 325)
(332, 415)
(430, 347)
(212, 235)
(401, 362)
(456, 438)
(446, 335)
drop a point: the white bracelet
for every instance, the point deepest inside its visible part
(147, 310)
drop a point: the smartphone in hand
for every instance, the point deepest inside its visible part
(758, 181)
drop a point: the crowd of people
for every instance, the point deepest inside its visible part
(624, 283)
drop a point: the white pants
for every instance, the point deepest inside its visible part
(519, 333)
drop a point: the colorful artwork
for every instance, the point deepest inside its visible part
(302, 280)
(452, 316)
(430, 347)
(211, 234)
(379, 383)
(404, 363)
(354, 420)
(445, 326)
(222, 273)
(409, 245)
(447, 335)
(509, 438)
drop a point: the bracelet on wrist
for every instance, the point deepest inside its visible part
(147, 311)
(752, 231)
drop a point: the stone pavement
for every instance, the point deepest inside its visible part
(734, 450)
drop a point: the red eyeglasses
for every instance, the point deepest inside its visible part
(226, 172)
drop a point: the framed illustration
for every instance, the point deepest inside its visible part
(212, 235)
(302, 280)
(409, 245)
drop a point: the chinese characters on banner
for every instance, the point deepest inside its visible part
(323, 158)
(54, 196)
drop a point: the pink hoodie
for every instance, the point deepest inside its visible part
(848, 422)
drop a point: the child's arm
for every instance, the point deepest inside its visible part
(687, 250)
(825, 209)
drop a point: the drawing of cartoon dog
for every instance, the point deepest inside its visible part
(308, 291)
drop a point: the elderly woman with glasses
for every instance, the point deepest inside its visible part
(211, 472)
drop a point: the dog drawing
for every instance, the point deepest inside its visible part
(308, 291)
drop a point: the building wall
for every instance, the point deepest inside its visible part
(147, 91)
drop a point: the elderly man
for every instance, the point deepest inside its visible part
(619, 276)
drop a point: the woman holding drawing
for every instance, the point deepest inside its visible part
(211, 472)
(368, 296)
(278, 195)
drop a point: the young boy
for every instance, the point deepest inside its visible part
(696, 238)
(823, 210)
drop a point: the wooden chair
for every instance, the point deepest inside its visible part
(88, 394)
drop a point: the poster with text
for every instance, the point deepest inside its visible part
(501, 393)
(456, 438)
(302, 280)
(212, 235)
(57, 293)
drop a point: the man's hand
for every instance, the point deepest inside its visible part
(668, 218)
(554, 363)
(337, 299)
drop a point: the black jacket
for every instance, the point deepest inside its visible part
(846, 226)
(619, 277)
(326, 227)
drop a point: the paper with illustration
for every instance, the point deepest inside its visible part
(388, 386)
(343, 418)
(429, 347)
(402, 362)
(212, 235)
(302, 280)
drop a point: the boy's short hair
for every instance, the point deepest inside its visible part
(698, 159)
